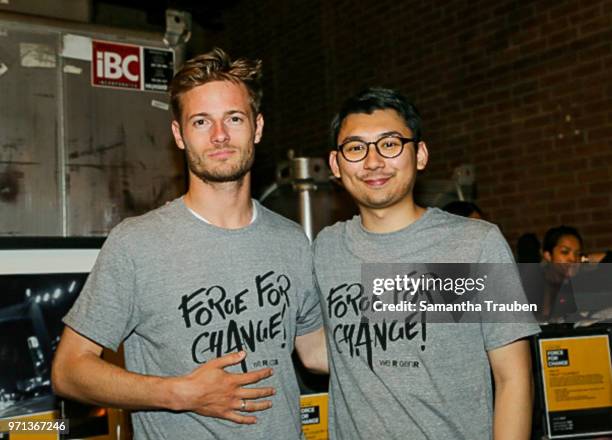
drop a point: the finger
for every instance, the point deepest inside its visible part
(240, 405)
(260, 405)
(255, 393)
(253, 376)
(228, 359)
(236, 417)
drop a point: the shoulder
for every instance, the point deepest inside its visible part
(465, 239)
(282, 227)
(463, 225)
(331, 232)
(147, 221)
(332, 235)
(455, 228)
(484, 237)
(144, 230)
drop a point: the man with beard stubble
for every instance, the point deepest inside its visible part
(408, 378)
(210, 293)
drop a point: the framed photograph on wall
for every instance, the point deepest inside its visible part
(40, 278)
(575, 381)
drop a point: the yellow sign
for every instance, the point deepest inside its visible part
(36, 426)
(576, 372)
(314, 416)
(43, 426)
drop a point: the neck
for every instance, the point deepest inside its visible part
(226, 205)
(392, 218)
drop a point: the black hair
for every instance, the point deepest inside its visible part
(528, 249)
(462, 208)
(553, 235)
(377, 98)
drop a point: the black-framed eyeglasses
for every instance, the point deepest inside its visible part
(388, 147)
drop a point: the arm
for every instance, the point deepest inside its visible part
(312, 351)
(511, 365)
(79, 373)
(595, 257)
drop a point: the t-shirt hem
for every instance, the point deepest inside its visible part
(301, 331)
(90, 334)
(498, 343)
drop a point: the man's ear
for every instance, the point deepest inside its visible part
(422, 156)
(178, 137)
(333, 163)
(259, 124)
(547, 256)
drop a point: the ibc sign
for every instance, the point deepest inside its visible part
(116, 65)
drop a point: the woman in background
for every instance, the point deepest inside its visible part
(562, 252)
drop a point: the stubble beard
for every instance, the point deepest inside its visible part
(380, 202)
(385, 199)
(235, 173)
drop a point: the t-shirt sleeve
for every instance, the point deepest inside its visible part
(103, 311)
(309, 316)
(495, 249)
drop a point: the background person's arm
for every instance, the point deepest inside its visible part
(511, 365)
(79, 373)
(312, 351)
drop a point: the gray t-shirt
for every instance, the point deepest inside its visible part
(181, 292)
(408, 379)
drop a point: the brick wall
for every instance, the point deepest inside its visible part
(522, 90)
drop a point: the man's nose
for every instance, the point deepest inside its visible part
(373, 160)
(219, 133)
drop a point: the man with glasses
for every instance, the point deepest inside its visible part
(403, 378)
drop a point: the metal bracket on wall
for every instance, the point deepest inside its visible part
(303, 174)
(463, 176)
(178, 27)
(178, 33)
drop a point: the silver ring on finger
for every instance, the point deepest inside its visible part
(243, 405)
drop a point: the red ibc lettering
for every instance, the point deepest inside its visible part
(115, 65)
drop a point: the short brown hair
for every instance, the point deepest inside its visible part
(216, 65)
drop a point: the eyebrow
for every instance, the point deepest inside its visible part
(567, 248)
(227, 113)
(379, 137)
